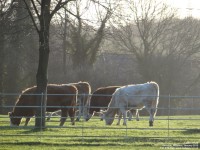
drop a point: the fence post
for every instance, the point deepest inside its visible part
(1, 103)
(169, 107)
(40, 111)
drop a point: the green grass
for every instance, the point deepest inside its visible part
(94, 134)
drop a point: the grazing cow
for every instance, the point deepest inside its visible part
(64, 99)
(100, 100)
(133, 96)
(84, 90)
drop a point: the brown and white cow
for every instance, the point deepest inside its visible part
(84, 91)
(61, 97)
(100, 100)
(133, 96)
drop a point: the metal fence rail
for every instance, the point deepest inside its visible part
(184, 105)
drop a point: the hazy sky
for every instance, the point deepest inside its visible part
(187, 7)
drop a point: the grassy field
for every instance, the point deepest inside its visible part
(174, 132)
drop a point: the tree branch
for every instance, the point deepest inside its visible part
(31, 15)
(59, 5)
(35, 8)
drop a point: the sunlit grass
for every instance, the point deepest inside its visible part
(94, 134)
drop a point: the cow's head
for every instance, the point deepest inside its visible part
(109, 116)
(14, 120)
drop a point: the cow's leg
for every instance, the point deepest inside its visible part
(79, 113)
(101, 116)
(72, 115)
(63, 116)
(151, 119)
(153, 113)
(85, 106)
(101, 113)
(50, 114)
(80, 110)
(119, 117)
(130, 114)
(27, 121)
(151, 116)
(137, 115)
(123, 111)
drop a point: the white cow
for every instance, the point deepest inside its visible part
(135, 96)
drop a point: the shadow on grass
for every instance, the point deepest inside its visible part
(35, 130)
(24, 129)
(61, 144)
(92, 142)
(114, 142)
(192, 131)
(134, 140)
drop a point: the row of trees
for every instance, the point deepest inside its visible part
(41, 14)
(152, 42)
(162, 45)
(17, 43)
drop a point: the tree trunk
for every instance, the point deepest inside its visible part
(1, 67)
(42, 80)
(41, 76)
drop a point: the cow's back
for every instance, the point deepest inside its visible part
(82, 87)
(24, 103)
(135, 95)
(60, 95)
(102, 96)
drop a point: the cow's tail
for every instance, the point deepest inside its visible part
(156, 98)
(88, 97)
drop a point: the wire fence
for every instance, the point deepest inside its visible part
(175, 115)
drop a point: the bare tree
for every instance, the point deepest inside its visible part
(181, 48)
(161, 44)
(41, 13)
(143, 34)
(5, 8)
(87, 30)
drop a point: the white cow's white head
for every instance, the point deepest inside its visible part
(109, 116)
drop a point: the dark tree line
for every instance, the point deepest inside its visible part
(71, 48)
(16, 44)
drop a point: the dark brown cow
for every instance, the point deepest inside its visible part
(100, 100)
(65, 96)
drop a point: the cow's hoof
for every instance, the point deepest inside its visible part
(151, 123)
(77, 119)
(124, 124)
